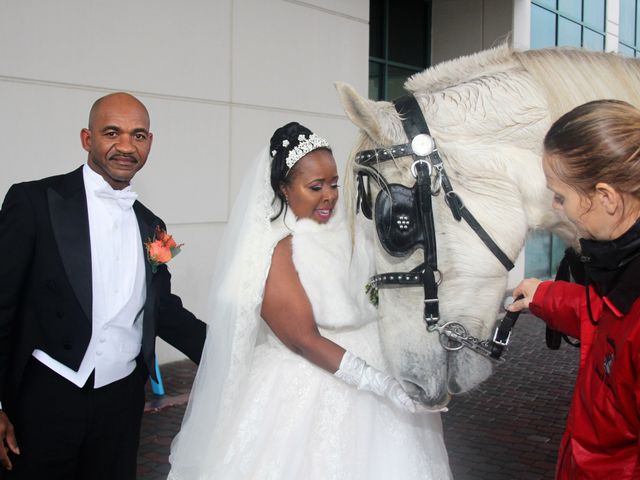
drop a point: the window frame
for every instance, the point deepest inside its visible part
(553, 245)
(636, 47)
(579, 21)
(384, 63)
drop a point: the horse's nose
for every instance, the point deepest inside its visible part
(417, 393)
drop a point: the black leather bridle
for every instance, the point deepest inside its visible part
(404, 222)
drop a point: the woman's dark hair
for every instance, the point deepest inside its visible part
(283, 140)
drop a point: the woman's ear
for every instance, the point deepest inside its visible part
(283, 189)
(609, 197)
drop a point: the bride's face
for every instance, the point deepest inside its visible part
(312, 190)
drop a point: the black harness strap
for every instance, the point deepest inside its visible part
(371, 158)
(425, 219)
(503, 332)
(476, 227)
(413, 277)
(414, 124)
(413, 121)
(400, 240)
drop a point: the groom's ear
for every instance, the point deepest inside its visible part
(85, 139)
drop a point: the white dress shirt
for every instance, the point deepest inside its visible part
(118, 285)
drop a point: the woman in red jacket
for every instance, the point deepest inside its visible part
(592, 164)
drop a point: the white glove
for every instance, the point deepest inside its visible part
(355, 371)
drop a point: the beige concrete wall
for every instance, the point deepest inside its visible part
(218, 76)
(462, 27)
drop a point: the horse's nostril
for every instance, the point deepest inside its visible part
(415, 391)
(418, 394)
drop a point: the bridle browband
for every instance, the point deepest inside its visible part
(404, 222)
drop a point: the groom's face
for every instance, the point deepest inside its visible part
(118, 138)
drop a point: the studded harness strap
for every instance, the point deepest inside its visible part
(404, 222)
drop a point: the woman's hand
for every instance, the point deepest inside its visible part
(527, 288)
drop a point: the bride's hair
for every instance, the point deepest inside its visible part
(283, 141)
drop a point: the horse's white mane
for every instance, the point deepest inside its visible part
(462, 70)
(567, 76)
(570, 76)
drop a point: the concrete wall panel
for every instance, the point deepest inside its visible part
(287, 55)
(160, 46)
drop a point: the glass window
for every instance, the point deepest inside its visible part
(627, 21)
(537, 255)
(544, 35)
(579, 23)
(637, 24)
(593, 40)
(595, 13)
(557, 252)
(376, 30)
(399, 44)
(548, 3)
(569, 33)
(629, 34)
(397, 77)
(375, 80)
(628, 51)
(408, 37)
(571, 8)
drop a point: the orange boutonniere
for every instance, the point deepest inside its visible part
(161, 248)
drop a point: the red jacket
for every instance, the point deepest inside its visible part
(602, 433)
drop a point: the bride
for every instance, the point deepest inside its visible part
(292, 381)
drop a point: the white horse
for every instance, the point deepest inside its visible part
(488, 114)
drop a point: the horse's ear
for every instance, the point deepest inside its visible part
(361, 111)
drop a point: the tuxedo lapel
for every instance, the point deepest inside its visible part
(147, 225)
(70, 223)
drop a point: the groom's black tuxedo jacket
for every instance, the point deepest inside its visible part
(46, 288)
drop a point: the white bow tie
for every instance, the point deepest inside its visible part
(124, 198)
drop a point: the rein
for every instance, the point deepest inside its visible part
(404, 222)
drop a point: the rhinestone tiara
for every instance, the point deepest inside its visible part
(305, 146)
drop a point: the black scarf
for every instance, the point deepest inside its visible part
(613, 266)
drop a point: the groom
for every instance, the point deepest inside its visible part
(80, 308)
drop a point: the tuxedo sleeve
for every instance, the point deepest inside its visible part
(176, 325)
(17, 239)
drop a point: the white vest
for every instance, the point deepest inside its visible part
(119, 291)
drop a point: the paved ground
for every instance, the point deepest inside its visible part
(507, 429)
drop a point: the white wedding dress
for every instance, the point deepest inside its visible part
(287, 418)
